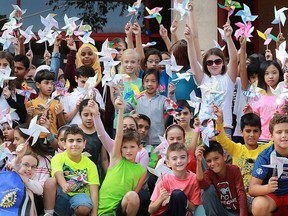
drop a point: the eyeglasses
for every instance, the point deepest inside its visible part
(155, 61)
(216, 61)
(27, 165)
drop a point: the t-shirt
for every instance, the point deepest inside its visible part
(265, 173)
(39, 106)
(80, 175)
(119, 180)
(188, 185)
(230, 189)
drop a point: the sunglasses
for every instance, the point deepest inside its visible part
(216, 61)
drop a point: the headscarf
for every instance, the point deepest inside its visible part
(96, 65)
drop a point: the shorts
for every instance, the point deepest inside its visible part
(279, 200)
(65, 204)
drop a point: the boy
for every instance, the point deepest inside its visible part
(242, 155)
(176, 195)
(268, 186)
(71, 103)
(76, 176)
(21, 67)
(53, 110)
(230, 196)
(124, 177)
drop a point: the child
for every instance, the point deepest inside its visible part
(71, 102)
(151, 104)
(270, 75)
(243, 155)
(230, 197)
(268, 186)
(144, 124)
(53, 109)
(176, 195)
(124, 177)
(21, 67)
(76, 179)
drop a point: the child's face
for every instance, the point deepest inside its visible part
(8, 132)
(271, 76)
(216, 162)
(87, 56)
(164, 57)
(177, 160)
(129, 150)
(4, 63)
(74, 144)
(18, 139)
(214, 69)
(81, 81)
(143, 128)
(184, 117)
(61, 140)
(130, 64)
(87, 117)
(45, 87)
(120, 48)
(280, 137)
(28, 166)
(153, 62)
(30, 74)
(175, 135)
(150, 84)
(253, 78)
(129, 123)
(251, 135)
(20, 70)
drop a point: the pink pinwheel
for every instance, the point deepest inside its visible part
(161, 149)
(265, 36)
(154, 13)
(244, 29)
(6, 117)
(230, 6)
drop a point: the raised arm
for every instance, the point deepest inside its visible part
(55, 60)
(242, 67)
(232, 51)
(164, 35)
(137, 31)
(129, 35)
(173, 30)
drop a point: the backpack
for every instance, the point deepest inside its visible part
(14, 201)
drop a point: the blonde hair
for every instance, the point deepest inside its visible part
(125, 54)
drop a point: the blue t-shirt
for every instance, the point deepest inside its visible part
(265, 173)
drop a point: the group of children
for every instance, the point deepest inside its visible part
(147, 164)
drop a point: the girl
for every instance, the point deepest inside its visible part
(8, 95)
(60, 140)
(85, 56)
(120, 47)
(152, 105)
(214, 73)
(93, 144)
(270, 74)
(142, 157)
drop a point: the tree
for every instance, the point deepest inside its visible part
(93, 12)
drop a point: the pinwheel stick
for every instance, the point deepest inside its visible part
(45, 45)
(28, 139)
(275, 172)
(131, 18)
(280, 27)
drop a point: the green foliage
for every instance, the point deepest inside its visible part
(93, 12)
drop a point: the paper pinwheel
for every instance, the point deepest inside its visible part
(49, 22)
(160, 170)
(246, 14)
(182, 8)
(277, 163)
(70, 24)
(47, 35)
(221, 31)
(244, 29)
(153, 43)
(25, 90)
(4, 152)
(211, 90)
(173, 108)
(82, 29)
(6, 117)
(34, 130)
(154, 13)
(171, 65)
(217, 45)
(61, 88)
(208, 132)
(17, 12)
(131, 95)
(194, 102)
(86, 38)
(106, 50)
(5, 75)
(281, 54)
(230, 6)
(134, 9)
(28, 34)
(266, 36)
(90, 85)
(6, 39)
(180, 76)
(11, 25)
(161, 149)
(280, 17)
(281, 92)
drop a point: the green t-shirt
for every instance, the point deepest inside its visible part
(80, 175)
(119, 180)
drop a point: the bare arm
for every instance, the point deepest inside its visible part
(257, 189)
(137, 31)
(164, 35)
(242, 67)
(94, 196)
(128, 31)
(104, 159)
(173, 30)
(199, 170)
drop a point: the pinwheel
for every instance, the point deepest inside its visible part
(11, 25)
(267, 36)
(153, 43)
(106, 50)
(70, 25)
(182, 8)
(133, 11)
(281, 92)
(154, 13)
(194, 102)
(221, 31)
(5, 75)
(6, 116)
(244, 29)
(246, 14)
(281, 54)
(217, 45)
(230, 6)
(47, 35)
(180, 76)
(90, 85)
(279, 17)
(276, 163)
(34, 130)
(82, 29)
(4, 151)
(208, 132)
(17, 12)
(26, 91)
(6, 39)
(28, 34)
(49, 22)
(171, 65)
(86, 38)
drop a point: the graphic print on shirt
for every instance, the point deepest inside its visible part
(226, 197)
